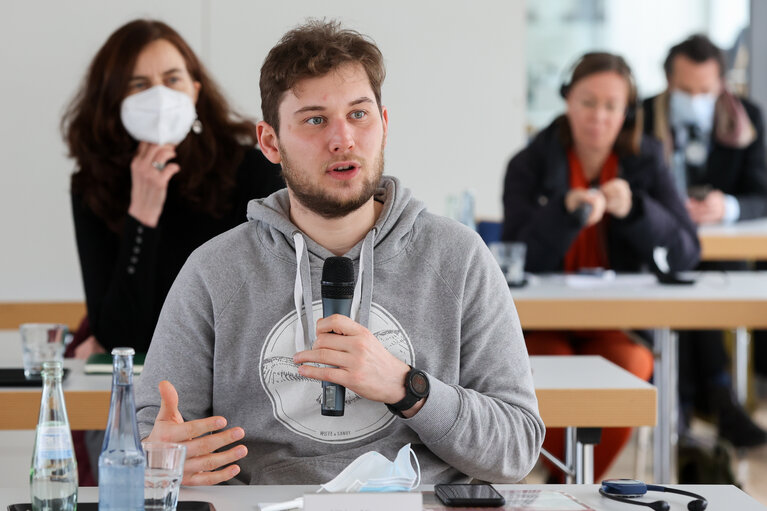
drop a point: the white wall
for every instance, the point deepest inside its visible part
(455, 90)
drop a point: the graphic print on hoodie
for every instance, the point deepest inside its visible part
(296, 399)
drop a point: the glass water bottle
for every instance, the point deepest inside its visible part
(121, 463)
(53, 474)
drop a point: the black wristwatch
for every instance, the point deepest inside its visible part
(416, 388)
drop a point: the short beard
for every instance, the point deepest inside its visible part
(325, 204)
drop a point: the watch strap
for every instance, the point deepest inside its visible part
(410, 398)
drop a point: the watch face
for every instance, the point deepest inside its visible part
(419, 383)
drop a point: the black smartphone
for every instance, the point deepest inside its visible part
(468, 495)
(699, 192)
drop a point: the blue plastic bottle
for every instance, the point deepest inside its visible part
(121, 463)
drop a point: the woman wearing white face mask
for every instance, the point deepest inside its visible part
(163, 165)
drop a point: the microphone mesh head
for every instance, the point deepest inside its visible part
(337, 277)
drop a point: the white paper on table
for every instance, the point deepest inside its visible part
(610, 279)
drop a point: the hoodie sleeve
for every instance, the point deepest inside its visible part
(487, 426)
(181, 351)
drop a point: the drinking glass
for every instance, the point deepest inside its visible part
(162, 478)
(41, 342)
(511, 258)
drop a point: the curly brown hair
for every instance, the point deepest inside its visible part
(103, 149)
(312, 50)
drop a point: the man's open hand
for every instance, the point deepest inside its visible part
(202, 465)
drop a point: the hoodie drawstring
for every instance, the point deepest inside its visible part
(302, 290)
(302, 295)
(361, 307)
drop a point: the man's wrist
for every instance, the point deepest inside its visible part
(416, 387)
(410, 412)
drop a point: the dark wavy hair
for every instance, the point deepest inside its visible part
(630, 136)
(103, 149)
(312, 50)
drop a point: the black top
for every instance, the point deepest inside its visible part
(741, 173)
(127, 275)
(537, 180)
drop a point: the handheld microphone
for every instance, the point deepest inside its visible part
(582, 213)
(337, 293)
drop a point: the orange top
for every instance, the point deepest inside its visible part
(589, 250)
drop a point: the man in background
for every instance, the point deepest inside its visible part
(714, 144)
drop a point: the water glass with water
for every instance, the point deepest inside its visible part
(511, 257)
(163, 474)
(41, 342)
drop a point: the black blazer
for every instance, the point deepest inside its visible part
(741, 173)
(537, 180)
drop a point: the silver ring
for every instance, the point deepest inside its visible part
(158, 165)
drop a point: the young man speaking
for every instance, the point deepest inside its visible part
(240, 336)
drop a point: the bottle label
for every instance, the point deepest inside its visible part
(54, 442)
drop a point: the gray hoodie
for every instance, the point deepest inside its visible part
(235, 316)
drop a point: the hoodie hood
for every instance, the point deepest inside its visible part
(388, 237)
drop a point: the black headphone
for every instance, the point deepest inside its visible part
(631, 108)
(624, 490)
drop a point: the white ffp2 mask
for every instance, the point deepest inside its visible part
(695, 109)
(372, 472)
(158, 115)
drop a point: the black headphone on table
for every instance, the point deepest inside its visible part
(624, 490)
(631, 108)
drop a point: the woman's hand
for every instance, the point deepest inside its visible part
(617, 194)
(150, 174)
(578, 196)
(88, 347)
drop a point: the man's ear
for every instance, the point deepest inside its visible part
(267, 140)
(385, 120)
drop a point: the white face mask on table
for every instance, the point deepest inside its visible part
(158, 115)
(373, 472)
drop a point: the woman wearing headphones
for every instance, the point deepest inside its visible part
(590, 191)
(163, 165)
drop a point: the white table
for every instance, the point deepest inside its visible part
(745, 240)
(246, 498)
(86, 396)
(717, 300)
(740, 241)
(573, 393)
(585, 394)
